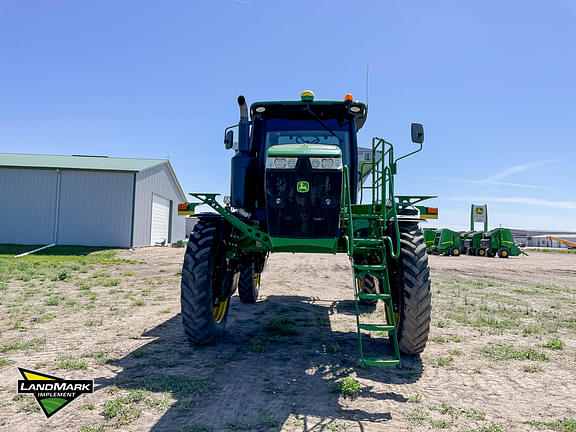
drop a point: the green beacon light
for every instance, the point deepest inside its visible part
(307, 96)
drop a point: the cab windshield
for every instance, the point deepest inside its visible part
(291, 131)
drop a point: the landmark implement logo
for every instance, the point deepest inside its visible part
(52, 393)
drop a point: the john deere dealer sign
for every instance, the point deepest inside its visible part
(52, 393)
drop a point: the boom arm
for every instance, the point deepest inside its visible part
(566, 242)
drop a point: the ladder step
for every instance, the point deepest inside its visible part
(375, 361)
(366, 296)
(377, 327)
(367, 268)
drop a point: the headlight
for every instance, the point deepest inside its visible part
(326, 163)
(281, 162)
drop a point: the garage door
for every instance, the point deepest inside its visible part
(160, 220)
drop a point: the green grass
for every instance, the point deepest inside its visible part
(69, 363)
(532, 368)
(6, 362)
(174, 384)
(443, 361)
(122, 410)
(492, 427)
(560, 425)
(348, 387)
(23, 345)
(59, 254)
(508, 352)
(554, 344)
(281, 326)
(415, 398)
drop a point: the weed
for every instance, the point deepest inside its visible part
(443, 361)
(493, 427)
(101, 356)
(159, 404)
(441, 324)
(258, 345)
(93, 323)
(88, 406)
(5, 362)
(138, 303)
(439, 339)
(560, 425)
(128, 273)
(29, 345)
(53, 301)
(334, 348)
(415, 398)
(67, 362)
(441, 424)
(417, 416)
(455, 338)
(532, 368)
(456, 352)
(348, 387)
(268, 420)
(26, 403)
(336, 427)
(554, 344)
(100, 428)
(508, 352)
(281, 326)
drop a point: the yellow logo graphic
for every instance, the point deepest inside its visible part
(303, 186)
(479, 210)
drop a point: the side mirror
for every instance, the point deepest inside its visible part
(229, 140)
(417, 131)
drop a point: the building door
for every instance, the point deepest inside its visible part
(160, 228)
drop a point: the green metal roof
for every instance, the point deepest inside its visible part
(19, 160)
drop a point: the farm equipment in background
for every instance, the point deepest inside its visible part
(569, 244)
(297, 186)
(429, 236)
(471, 243)
(446, 242)
(499, 242)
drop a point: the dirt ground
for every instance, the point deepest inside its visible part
(501, 355)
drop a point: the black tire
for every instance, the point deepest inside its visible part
(204, 278)
(481, 252)
(503, 252)
(455, 251)
(410, 277)
(249, 285)
(368, 285)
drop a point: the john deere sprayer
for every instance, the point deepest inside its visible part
(300, 183)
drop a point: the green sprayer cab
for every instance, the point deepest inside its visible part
(446, 242)
(297, 186)
(499, 242)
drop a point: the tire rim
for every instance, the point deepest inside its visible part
(219, 310)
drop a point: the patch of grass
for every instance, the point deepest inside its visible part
(268, 420)
(554, 344)
(138, 303)
(281, 326)
(493, 427)
(26, 403)
(336, 426)
(159, 403)
(415, 398)
(258, 345)
(100, 428)
(6, 362)
(348, 387)
(443, 361)
(508, 352)
(163, 383)
(128, 273)
(441, 424)
(69, 363)
(455, 352)
(138, 354)
(93, 323)
(122, 409)
(21, 345)
(441, 324)
(417, 416)
(53, 301)
(100, 357)
(532, 368)
(439, 339)
(560, 425)
(108, 282)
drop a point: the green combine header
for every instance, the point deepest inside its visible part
(300, 183)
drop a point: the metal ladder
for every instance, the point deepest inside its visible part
(374, 245)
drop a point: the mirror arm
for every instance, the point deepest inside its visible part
(409, 154)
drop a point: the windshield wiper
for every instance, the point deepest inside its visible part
(319, 120)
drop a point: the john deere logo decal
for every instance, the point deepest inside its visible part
(303, 186)
(479, 210)
(52, 393)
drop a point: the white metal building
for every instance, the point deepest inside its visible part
(88, 201)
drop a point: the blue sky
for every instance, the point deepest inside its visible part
(493, 82)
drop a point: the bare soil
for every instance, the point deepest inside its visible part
(502, 353)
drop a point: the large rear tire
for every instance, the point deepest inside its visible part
(206, 284)
(249, 284)
(410, 277)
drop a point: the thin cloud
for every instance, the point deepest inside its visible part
(514, 170)
(520, 200)
(484, 182)
(245, 2)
